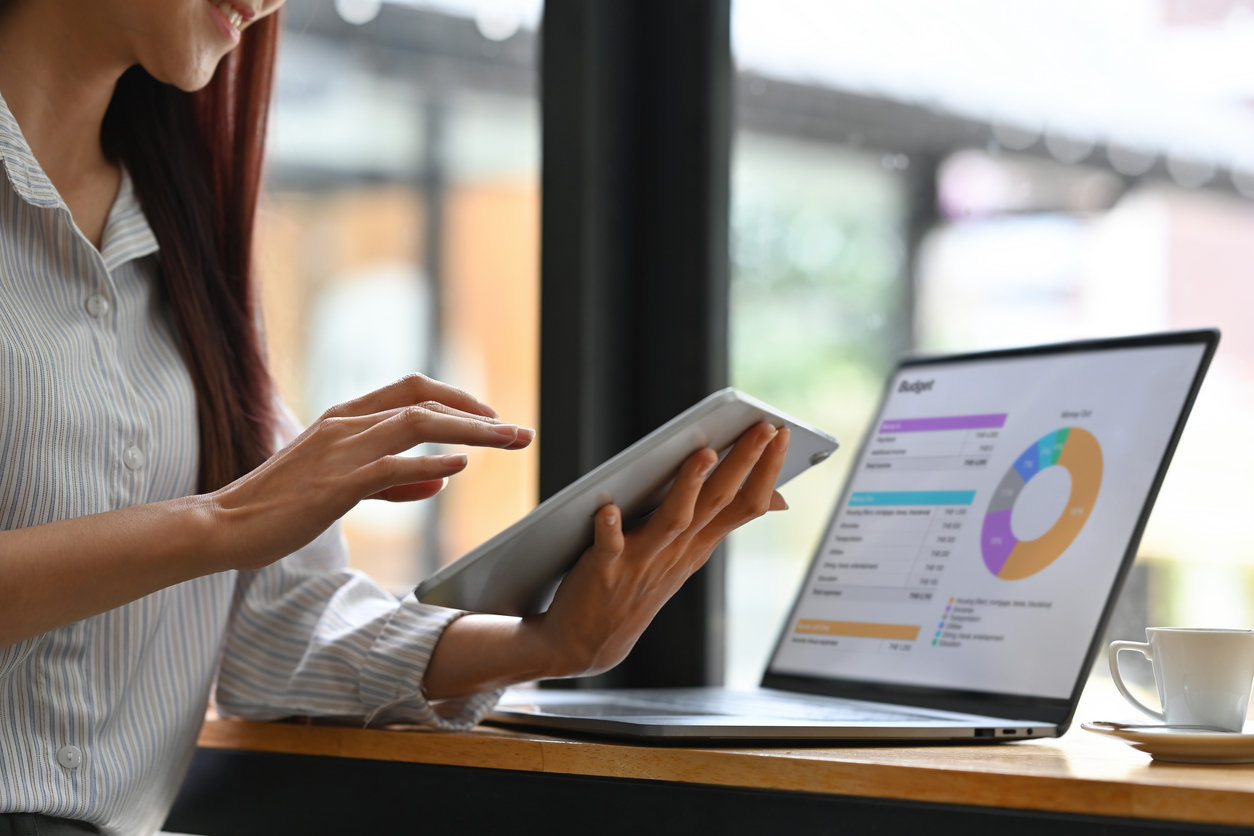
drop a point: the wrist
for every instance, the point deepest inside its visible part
(480, 652)
(215, 524)
(537, 650)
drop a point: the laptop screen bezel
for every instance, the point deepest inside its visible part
(1041, 709)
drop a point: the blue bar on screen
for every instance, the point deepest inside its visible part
(864, 498)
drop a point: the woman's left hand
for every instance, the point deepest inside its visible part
(617, 587)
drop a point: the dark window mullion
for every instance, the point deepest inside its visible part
(636, 104)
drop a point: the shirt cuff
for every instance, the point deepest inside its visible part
(391, 676)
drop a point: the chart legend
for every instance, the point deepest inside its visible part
(941, 627)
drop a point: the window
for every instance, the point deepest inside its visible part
(1019, 173)
(818, 301)
(401, 233)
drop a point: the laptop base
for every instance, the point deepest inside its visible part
(711, 714)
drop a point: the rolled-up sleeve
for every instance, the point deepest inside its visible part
(308, 637)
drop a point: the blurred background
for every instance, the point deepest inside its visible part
(401, 233)
(906, 176)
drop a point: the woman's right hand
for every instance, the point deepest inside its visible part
(353, 452)
(58, 573)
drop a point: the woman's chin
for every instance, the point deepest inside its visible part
(189, 76)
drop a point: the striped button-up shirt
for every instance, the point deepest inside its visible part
(98, 720)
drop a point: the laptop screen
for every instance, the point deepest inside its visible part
(987, 517)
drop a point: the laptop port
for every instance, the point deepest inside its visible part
(1009, 731)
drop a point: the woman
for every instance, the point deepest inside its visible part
(150, 536)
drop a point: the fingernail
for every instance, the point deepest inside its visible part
(704, 470)
(487, 410)
(454, 460)
(526, 434)
(506, 429)
(611, 519)
(783, 502)
(767, 438)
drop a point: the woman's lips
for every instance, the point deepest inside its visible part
(231, 13)
(224, 24)
(231, 17)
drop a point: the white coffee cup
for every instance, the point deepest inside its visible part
(1203, 676)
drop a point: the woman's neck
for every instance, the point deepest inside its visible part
(57, 77)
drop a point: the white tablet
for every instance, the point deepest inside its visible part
(518, 570)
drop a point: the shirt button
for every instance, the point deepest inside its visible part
(71, 757)
(97, 305)
(133, 458)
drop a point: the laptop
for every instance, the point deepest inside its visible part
(968, 570)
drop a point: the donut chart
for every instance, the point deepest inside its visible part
(1072, 448)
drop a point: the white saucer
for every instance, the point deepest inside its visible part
(1180, 745)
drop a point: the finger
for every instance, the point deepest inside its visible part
(409, 390)
(608, 525)
(755, 498)
(720, 491)
(393, 471)
(674, 516)
(761, 481)
(352, 425)
(722, 488)
(411, 493)
(414, 425)
(777, 502)
(437, 406)
(525, 436)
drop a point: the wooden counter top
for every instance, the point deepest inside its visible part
(1079, 773)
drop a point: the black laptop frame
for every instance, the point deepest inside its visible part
(990, 703)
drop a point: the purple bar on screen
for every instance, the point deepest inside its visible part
(951, 422)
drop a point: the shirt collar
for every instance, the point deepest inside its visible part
(25, 175)
(127, 234)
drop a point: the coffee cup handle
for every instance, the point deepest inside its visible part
(1145, 650)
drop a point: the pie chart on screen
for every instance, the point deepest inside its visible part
(1077, 452)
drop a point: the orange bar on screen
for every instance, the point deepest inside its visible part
(861, 629)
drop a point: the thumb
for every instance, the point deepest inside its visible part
(608, 525)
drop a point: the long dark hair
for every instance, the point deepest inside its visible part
(195, 159)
